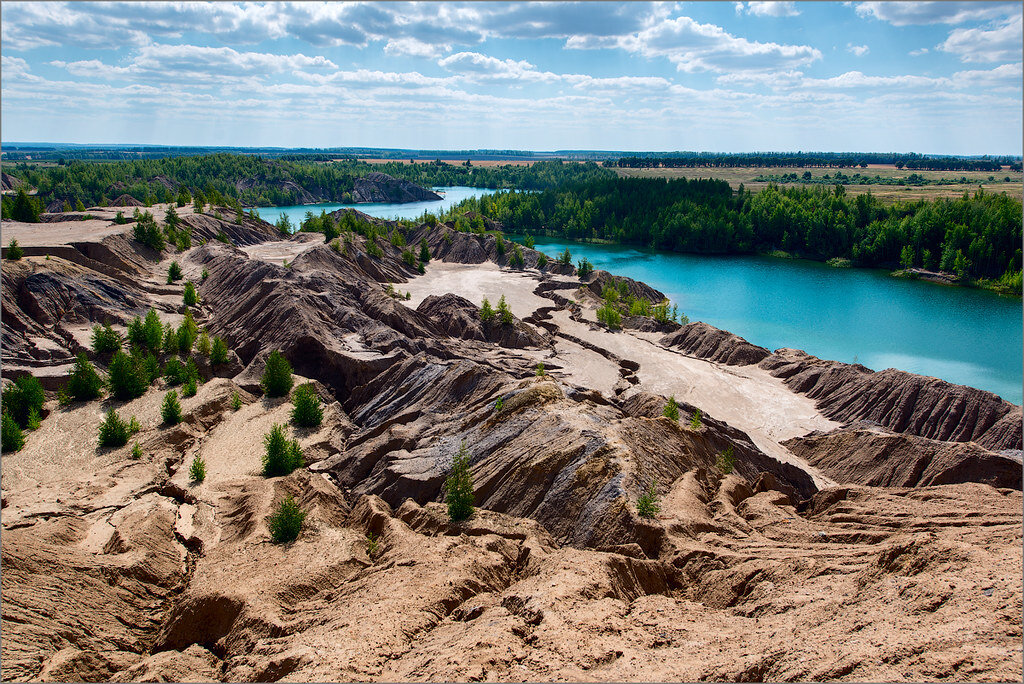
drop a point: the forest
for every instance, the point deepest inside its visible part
(976, 237)
(254, 181)
(819, 160)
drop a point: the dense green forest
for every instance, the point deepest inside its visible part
(817, 159)
(255, 181)
(976, 237)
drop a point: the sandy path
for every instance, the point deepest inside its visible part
(746, 397)
(476, 281)
(280, 251)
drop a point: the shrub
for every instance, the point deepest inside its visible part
(528, 241)
(459, 486)
(149, 367)
(221, 236)
(540, 369)
(14, 252)
(542, 260)
(11, 436)
(498, 405)
(640, 307)
(170, 340)
(286, 522)
(23, 397)
(190, 388)
(170, 410)
(173, 272)
(373, 249)
(204, 275)
(185, 339)
(147, 232)
(307, 411)
(277, 377)
(424, 250)
(584, 268)
(726, 460)
(197, 471)
(191, 296)
(610, 316)
(671, 409)
(486, 312)
(565, 258)
(219, 352)
(504, 313)
(695, 420)
(203, 345)
(34, 421)
(136, 451)
(84, 383)
(114, 432)
(236, 401)
(174, 372)
(516, 260)
(647, 505)
(105, 339)
(409, 258)
(120, 219)
(280, 456)
(153, 332)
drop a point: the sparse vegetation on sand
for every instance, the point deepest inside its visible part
(458, 486)
(647, 504)
(286, 522)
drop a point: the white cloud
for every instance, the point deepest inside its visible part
(415, 48)
(857, 50)
(693, 46)
(918, 52)
(478, 67)
(776, 8)
(996, 44)
(922, 12)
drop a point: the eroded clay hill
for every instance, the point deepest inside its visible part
(857, 553)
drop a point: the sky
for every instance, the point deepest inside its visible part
(928, 77)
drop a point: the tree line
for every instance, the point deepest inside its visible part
(976, 236)
(256, 181)
(821, 160)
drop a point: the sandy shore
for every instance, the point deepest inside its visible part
(746, 397)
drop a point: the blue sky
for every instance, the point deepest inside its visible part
(933, 77)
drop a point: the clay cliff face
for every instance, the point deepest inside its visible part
(380, 187)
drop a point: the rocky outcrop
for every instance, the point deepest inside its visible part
(708, 342)
(460, 318)
(901, 401)
(380, 187)
(126, 201)
(8, 182)
(627, 287)
(866, 454)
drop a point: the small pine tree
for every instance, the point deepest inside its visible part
(136, 451)
(219, 354)
(504, 313)
(280, 456)
(542, 260)
(204, 275)
(307, 411)
(11, 436)
(174, 272)
(424, 251)
(34, 421)
(726, 460)
(540, 369)
(114, 432)
(170, 410)
(203, 345)
(22, 397)
(105, 339)
(671, 409)
(152, 331)
(486, 312)
(277, 377)
(190, 388)
(197, 471)
(584, 268)
(170, 340)
(695, 420)
(174, 372)
(236, 401)
(647, 505)
(191, 296)
(14, 253)
(459, 486)
(498, 405)
(286, 522)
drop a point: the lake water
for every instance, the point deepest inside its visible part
(969, 337)
(410, 210)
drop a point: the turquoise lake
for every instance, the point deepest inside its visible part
(969, 337)
(452, 195)
(965, 336)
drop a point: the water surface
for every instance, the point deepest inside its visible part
(409, 210)
(965, 336)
